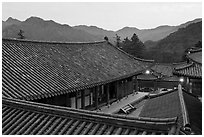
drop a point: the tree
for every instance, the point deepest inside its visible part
(20, 34)
(106, 38)
(126, 41)
(135, 39)
(118, 40)
(133, 46)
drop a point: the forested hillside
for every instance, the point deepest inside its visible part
(172, 47)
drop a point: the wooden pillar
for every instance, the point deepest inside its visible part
(96, 96)
(102, 89)
(91, 96)
(187, 84)
(82, 99)
(108, 94)
(123, 85)
(132, 84)
(117, 89)
(76, 98)
(136, 85)
(155, 85)
(116, 86)
(68, 100)
(121, 89)
(126, 87)
(190, 86)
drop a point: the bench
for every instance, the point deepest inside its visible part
(126, 109)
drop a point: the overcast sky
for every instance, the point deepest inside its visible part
(111, 16)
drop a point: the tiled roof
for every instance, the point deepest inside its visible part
(34, 70)
(193, 70)
(160, 71)
(172, 78)
(181, 65)
(29, 118)
(194, 49)
(194, 109)
(163, 69)
(196, 56)
(175, 103)
(163, 106)
(146, 77)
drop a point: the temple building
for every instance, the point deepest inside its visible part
(158, 76)
(191, 72)
(95, 88)
(77, 75)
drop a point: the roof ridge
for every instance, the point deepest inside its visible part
(189, 70)
(50, 42)
(161, 94)
(178, 63)
(195, 50)
(186, 122)
(194, 61)
(64, 111)
(191, 94)
(183, 67)
(165, 64)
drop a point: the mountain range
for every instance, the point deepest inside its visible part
(154, 34)
(173, 47)
(36, 28)
(163, 44)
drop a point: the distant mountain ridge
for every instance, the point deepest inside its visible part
(172, 47)
(10, 21)
(36, 28)
(154, 34)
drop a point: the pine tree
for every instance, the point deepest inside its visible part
(20, 34)
(118, 40)
(133, 46)
(106, 38)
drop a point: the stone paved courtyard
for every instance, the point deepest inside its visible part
(115, 106)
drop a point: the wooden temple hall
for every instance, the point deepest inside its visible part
(77, 75)
(93, 97)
